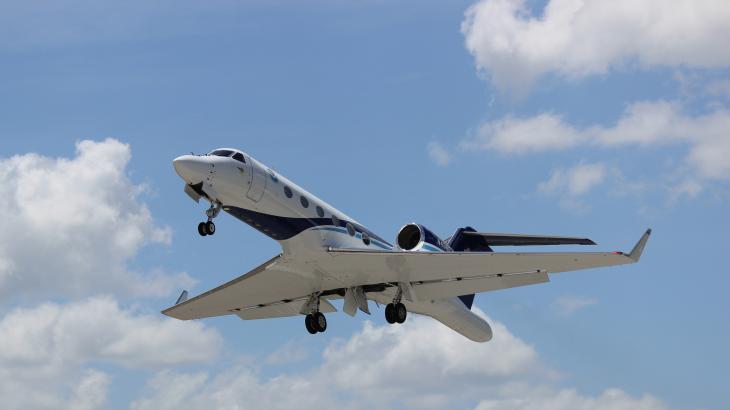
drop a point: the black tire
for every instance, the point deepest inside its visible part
(319, 322)
(389, 313)
(210, 228)
(309, 325)
(400, 313)
(202, 229)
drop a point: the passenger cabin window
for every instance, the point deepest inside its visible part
(320, 211)
(222, 153)
(304, 201)
(239, 157)
(287, 192)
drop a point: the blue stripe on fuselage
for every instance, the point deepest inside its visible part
(282, 228)
(431, 248)
(358, 235)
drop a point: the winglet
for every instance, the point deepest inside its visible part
(183, 297)
(639, 247)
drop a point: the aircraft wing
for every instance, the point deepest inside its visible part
(270, 290)
(439, 275)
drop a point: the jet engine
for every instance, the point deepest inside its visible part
(417, 238)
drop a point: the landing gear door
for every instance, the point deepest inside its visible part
(257, 185)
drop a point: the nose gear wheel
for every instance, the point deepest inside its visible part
(208, 228)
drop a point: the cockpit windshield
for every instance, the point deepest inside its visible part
(221, 153)
(239, 157)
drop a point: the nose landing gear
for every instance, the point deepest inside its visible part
(208, 228)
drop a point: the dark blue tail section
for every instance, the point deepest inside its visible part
(463, 243)
(468, 243)
(468, 300)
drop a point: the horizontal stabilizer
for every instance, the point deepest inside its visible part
(182, 298)
(509, 239)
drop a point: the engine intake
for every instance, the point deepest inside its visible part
(415, 237)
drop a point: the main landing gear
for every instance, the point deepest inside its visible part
(314, 319)
(396, 311)
(315, 322)
(208, 228)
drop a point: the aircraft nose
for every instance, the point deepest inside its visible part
(191, 168)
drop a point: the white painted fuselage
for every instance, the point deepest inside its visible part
(306, 227)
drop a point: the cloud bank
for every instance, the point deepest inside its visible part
(643, 124)
(577, 38)
(46, 349)
(421, 364)
(73, 224)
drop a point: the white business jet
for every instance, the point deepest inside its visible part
(327, 255)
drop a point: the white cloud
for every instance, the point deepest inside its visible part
(97, 329)
(91, 391)
(568, 399)
(663, 122)
(426, 347)
(576, 38)
(421, 364)
(571, 184)
(688, 188)
(72, 224)
(43, 350)
(567, 305)
(574, 181)
(644, 123)
(238, 387)
(290, 352)
(512, 135)
(438, 153)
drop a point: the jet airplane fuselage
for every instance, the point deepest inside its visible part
(306, 227)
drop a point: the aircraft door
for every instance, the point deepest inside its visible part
(258, 181)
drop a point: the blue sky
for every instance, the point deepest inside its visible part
(558, 117)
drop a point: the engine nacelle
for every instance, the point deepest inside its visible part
(417, 238)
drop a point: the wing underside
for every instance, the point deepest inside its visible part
(278, 289)
(273, 288)
(439, 275)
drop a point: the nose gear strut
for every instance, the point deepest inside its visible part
(208, 228)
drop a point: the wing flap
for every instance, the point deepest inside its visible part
(456, 287)
(385, 267)
(281, 309)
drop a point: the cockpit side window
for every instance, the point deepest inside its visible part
(239, 157)
(222, 153)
